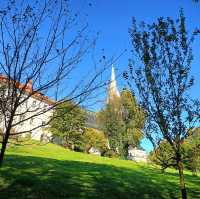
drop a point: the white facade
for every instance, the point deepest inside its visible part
(94, 151)
(137, 154)
(32, 115)
(35, 110)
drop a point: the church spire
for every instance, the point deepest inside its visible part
(113, 90)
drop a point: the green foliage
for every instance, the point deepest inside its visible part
(111, 154)
(110, 120)
(68, 123)
(122, 121)
(161, 70)
(163, 155)
(94, 138)
(192, 151)
(133, 117)
(162, 80)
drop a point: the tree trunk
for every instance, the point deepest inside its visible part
(3, 146)
(182, 181)
(125, 150)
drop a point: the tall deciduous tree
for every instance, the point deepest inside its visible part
(163, 58)
(133, 117)
(122, 121)
(42, 42)
(68, 124)
(111, 123)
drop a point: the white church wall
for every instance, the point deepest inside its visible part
(35, 110)
(31, 108)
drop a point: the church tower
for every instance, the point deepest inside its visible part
(113, 91)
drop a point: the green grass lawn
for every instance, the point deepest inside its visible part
(51, 172)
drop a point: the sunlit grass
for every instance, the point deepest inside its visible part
(50, 171)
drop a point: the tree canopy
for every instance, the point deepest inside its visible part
(122, 121)
(163, 51)
(68, 124)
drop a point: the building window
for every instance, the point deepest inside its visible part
(31, 121)
(34, 104)
(45, 106)
(21, 119)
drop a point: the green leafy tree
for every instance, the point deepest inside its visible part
(94, 138)
(163, 155)
(133, 117)
(68, 124)
(122, 121)
(163, 53)
(111, 123)
(192, 151)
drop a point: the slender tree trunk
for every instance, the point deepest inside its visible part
(125, 150)
(182, 181)
(3, 146)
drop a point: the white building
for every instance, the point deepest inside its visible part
(137, 154)
(33, 113)
(94, 151)
(36, 111)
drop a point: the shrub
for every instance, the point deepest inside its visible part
(96, 139)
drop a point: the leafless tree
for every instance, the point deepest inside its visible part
(41, 45)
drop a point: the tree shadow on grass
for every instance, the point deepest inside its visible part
(192, 182)
(26, 177)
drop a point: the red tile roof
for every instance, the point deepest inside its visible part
(29, 89)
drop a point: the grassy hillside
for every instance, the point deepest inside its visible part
(49, 171)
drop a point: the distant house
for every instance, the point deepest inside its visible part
(94, 151)
(137, 155)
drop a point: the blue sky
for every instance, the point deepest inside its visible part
(112, 18)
